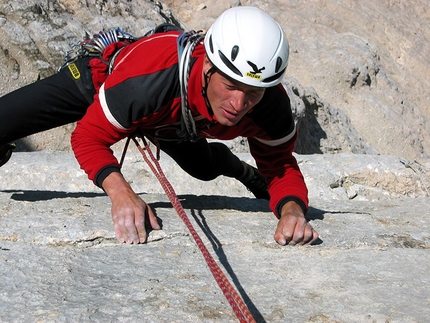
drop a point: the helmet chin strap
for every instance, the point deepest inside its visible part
(207, 77)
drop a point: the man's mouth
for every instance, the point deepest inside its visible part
(229, 114)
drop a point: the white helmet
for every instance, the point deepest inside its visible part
(249, 46)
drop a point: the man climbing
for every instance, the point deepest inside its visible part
(178, 90)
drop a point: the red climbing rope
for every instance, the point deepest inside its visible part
(236, 302)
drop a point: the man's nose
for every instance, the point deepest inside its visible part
(238, 101)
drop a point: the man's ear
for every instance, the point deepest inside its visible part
(207, 65)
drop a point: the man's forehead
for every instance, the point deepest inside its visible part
(238, 83)
(230, 79)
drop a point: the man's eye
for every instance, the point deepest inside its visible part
(256, 93)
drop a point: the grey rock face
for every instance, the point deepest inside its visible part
(60, 261)
(35, 35)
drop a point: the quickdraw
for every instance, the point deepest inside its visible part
(94, 47)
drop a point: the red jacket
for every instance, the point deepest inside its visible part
(143, 92)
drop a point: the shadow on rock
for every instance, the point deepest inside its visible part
(199, 202)
(34, 195)
(222, 257)
(216, 202)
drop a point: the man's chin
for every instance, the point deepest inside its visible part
(228, 123)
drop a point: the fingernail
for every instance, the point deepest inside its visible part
(282, 242)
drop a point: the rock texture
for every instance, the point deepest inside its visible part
(60, 262)
(358, 72)
(35, 35)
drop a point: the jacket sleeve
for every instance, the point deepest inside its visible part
(138, 91)
(91, 142)
(273, 150)
(279, 166)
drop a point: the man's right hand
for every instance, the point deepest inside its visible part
(130, 214)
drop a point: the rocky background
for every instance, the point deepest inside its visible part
(358, 73)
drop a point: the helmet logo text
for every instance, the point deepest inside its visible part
(255, 71)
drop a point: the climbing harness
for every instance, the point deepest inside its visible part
(186, 42)
(237, 304)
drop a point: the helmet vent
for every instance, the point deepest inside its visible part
(211, 45)
(274, 77)
(278, 64)
(234, 52)
(229, 64)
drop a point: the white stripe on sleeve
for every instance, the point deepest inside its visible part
(106, 110)
(279, 141)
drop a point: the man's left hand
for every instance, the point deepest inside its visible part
(293, 228)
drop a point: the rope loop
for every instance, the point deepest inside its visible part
(187, 42)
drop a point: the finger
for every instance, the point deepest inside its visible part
(311, 235)
(308, 233)
(140, 227)
(302, 232)
(119, 227)
(118, 233)
(148, 222)
(153, 221)
(131, 234)
(315, 236)
(284, 231)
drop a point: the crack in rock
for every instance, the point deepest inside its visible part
(99, 240)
